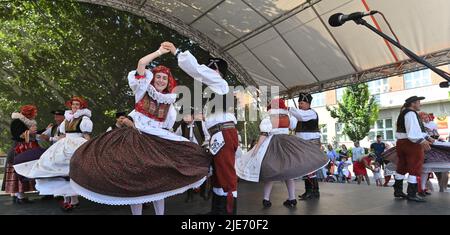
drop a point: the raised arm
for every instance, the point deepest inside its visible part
(144, 61)
(202, 73)
(303, 115)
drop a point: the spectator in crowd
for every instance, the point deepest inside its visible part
(332, 156)
(377, 174)
(360, 167)
(343, 152)
(378, 148)
(357, 154)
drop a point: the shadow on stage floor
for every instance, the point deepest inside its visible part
(336, 199)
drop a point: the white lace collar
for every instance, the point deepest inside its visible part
(80, 112)
(28, 122)
(160, 97)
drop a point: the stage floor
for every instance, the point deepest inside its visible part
(336, 199)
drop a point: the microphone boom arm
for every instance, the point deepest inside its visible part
(409, 53)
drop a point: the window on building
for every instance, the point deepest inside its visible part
(384, 128)
(340, 137)
(318, 99)
(417, 79)
(378, 86)
(340, 94)
(324, 133)
(377, 98)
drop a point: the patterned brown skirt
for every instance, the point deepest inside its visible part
(436, 160)
(126, 163)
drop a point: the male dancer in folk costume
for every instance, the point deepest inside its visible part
(193, 128)
(307, 129)
(436, 160)
(278, 155)
(221, 126)
(122, 120)
(52, 134)
(412, 141)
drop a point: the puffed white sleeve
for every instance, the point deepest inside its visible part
(188, 63)
(171, 118)
(413, 130)
(303, 115)
(266, 125)
(205, 131)
(139, 85)
(47, 132)
(292, 122)
(86, 125)
(62, 127)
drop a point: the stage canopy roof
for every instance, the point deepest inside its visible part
(289, 42)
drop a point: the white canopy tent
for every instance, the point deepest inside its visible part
(289, 42)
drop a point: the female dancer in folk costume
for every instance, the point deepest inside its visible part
(146, 162)
(23, 131)
(278, 155)
(51, 170)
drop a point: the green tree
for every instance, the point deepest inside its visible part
(358, 111)
(51, 50)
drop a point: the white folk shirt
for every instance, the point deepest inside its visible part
(303, 116)
(191, 133)
(140, 87)
(202, 73)
(413, 131)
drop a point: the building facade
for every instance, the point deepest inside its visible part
(390, 93)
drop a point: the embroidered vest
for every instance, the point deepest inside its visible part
(280, 121)
(152, 109)
(74, 125)
(401, 128)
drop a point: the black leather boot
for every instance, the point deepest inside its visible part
(308, 190)
(412, 193)
(234, 205)
(398, 189)
(214, 205)
(222, 205)
(315, 188)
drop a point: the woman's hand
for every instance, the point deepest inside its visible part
(33, 129)
(169, 46)
(163, 50)
(127, 122)
(87, 136)
(44, 138)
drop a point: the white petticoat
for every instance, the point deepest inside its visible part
(53, 162)
(111, 200)
(248, 165)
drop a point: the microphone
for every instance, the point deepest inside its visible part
(339, 19)
(444, 84)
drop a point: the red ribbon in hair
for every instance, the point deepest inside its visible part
(277, 103)
(29, 111)
(171, 83)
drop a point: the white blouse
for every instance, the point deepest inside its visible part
(86, 124)
(266, 126)
(148, 125)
